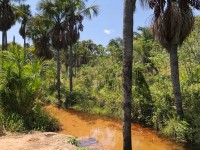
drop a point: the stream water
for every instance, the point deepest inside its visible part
(108, 132)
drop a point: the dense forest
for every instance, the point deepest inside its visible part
(59, 69)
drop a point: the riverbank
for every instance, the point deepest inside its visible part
(42, 141)
(108, 131)
(36, 141)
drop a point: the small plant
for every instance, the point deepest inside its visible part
(40, 119)
(82, 148)
(178, 129)
(74, 141)
(1, 124)
(13, 122)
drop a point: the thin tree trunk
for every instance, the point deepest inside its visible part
(58, 78)
(75, 65)
(127, 72)
(66, 61)
(13, 42)
(25, 46)
(70, 70)
(4, 40)
(176, 81)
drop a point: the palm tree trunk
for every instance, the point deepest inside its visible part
(127, 72)
(25, 46)
(66, 61)
(58, 78)
(70, 70)
(4, 40)
(176, 80)
(75, 65)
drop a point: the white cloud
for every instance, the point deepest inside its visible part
(107, 31)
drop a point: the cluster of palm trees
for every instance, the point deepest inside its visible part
(8, 17)
(56, 26)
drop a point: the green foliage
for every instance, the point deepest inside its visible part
(13, 122)
(20, 88)
(40, 119)
(81, 98)
(1, 123)
(74, 141)
(142, 108)
(178, 129)
(23, 81)
(97, 86)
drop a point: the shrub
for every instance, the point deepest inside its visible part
(13, 122)
(1, 123)
(40, 119)
(20, 88)
(74, 141)
(23, 81)
(178, 129)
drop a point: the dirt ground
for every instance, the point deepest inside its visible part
(36, 141)
(39, 141)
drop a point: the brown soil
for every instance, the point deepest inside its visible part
(36, 141)
(40, 141)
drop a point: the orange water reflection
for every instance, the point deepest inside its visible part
(109, 131)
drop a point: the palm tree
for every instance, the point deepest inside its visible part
(129, 7)
(173, 22)
(38, 30)
(115, 48)
(7, 18)
(56, 12)
(74, 25)
(145, 38)
(23, 19)
(77, 12)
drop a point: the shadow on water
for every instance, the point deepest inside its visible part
(108, 131)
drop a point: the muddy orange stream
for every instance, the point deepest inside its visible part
(109, 131)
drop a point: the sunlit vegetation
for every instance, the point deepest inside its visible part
(36, 75)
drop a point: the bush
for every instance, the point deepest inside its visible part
(81, 98)
(22, 81)
(74, 141)
(20, 88)
(13, 122)
(40, 119)
(1, 123)
(143, 106)
(178, 129)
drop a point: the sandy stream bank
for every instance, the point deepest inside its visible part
(40, 141)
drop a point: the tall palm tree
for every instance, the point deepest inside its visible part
(74, 25)
(173, 22)
(38, 30)
(56, 12)
(129, 7)
(7, 18)
(23, 19)
(77, 12)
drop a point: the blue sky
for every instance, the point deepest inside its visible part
(107, 25)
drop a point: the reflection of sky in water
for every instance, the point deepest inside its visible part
(106, 136)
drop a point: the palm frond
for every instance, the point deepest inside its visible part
(87, 12)
(195, 4)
